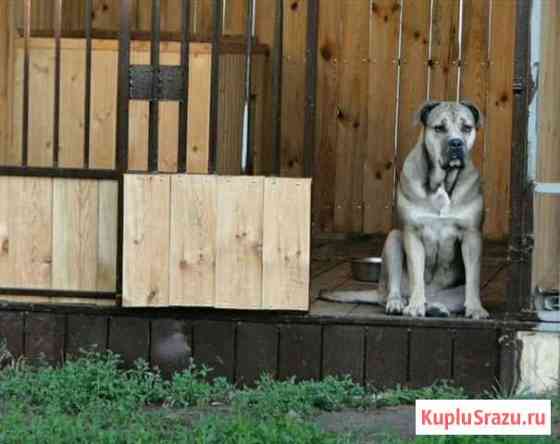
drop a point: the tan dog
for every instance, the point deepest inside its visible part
(432, 265)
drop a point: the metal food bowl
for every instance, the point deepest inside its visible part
(367, 269)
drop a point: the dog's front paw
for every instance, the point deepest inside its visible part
(415, 310)
(476, 312)
(394, 306)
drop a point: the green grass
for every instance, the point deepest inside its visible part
(92, 400)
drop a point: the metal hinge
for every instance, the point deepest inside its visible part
(169, 83)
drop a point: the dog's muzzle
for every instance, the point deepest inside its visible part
(456, 153)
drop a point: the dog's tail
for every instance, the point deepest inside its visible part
(374, 297)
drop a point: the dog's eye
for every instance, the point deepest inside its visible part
(467, 129)
(439, 128)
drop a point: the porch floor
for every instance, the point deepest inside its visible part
(330, 269)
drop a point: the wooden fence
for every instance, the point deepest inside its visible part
(378, 60)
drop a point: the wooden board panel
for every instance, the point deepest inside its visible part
(257, 352)
(293, 87)
(203, 13)
(261, 108)
(75, 234)
(107, 235)
(352, 116)
(86, 333)
(168, 124)
(30, 232)
(146, 235)
(72, 111)
(547, 208)
(230, 113)
(474, 70)
(386, 356)
(235, 17)
(6, 76)
(343, 351)
(170, 346)
(138, 120)
(198, 126)
(500, 120)
(239, 242)
(103, 108)
(444, 50)
(286, 244)
(379, 165)
(41, 106)
(214, 347)
(193, 240)
(300, 352)
(430, 356)
(11, 331)
(44, 337)
(475, 365)
(413, 73)
(129, 338)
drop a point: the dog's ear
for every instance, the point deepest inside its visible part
(478, 117)
(424, 112)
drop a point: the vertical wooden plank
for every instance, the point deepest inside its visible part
(235, 17)
(474, 69)
(386, 356)
(11, 330)
(129, 338)
(107, 235)
(444, 48)
(379, 166)
(106, 15)
(499, 119)
(413, 73)
(146, 241)
(430, 356)
(352, 115)
(7, 61)
(41, 117)
(343, 351)
(239, 242)
(86, 333)
(44, 337)
(103, 108)
(168, 123)
(13, 150)
(72, 92)
(476, 360)
(547, 208)
(326, 124)
(293, 87)
(262, 112)
(257, 352)
(6, 261)
(75, 212)
(203, 14)
(30, 232)
(286, 244)
(138, 113)
(193, 241)
(198, 126)
(214, 347)
(300, 352)
(170, 345)
(230, 113)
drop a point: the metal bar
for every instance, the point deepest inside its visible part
(70, 173)
(74, 294)
(87, 101)
(184, 104)
(547, 187)
(277, 58)
(56, 120)
(311, 87)
(215, 86)
(248, 148)
(122, 128)
(153, 126)
(25, 117)
(521, 190)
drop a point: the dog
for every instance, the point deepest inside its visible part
(431, 265)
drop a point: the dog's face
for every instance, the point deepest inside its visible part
(450, 131)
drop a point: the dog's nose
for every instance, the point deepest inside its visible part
(456, 143)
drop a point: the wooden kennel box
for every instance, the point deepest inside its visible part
(236, 242)
(104, 105)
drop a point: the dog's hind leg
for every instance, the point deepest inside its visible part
(394, 275)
